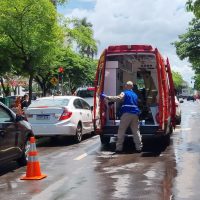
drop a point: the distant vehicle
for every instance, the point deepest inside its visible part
(178, 111)
(190, 98)
(180, 99)
(15, 133)
(60, 115)
(186, 92)
(145, 66)
(86, 93)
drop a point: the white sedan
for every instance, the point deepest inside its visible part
(60, 115)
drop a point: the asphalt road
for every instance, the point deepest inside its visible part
(88, 171)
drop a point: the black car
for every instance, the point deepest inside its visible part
(15, 133)
(190, 98)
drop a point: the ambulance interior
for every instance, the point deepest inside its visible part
(141, 70)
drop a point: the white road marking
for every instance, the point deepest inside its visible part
(185, 129)
(182, 129)
(85, 154)
(81, 156)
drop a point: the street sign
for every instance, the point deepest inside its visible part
(54, 81)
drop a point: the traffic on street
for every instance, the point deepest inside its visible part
(89, 170)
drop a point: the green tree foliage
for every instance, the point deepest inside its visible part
(78, 70)
(178, 81)
(31, 44)
(194, 6)
(197, 81)
(29, 34)
(188, 46)
(82, 34)
(58, 2)
(193, 35)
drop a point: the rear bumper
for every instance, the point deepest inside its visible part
(146, 131)
(54, 129)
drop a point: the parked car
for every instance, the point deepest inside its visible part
(178, 111)
(181, 100)
(190, 98)
(86, 93)
(15, 133)
(60, 115)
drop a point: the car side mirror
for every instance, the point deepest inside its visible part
(91, 108)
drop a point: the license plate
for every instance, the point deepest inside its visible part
(42, 117)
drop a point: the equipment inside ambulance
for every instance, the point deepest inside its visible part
(144, 66)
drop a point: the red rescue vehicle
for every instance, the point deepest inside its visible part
(144, 66)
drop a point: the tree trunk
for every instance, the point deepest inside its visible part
(43, 84)
(30, 87)
(44, 90)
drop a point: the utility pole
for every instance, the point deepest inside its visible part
(60, 78)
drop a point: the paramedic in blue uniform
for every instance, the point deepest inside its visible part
(129, 116)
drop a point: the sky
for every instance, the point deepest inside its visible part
(154, 22)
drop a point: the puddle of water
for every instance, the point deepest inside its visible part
(150, 174)
(111, 170)
(121, 186)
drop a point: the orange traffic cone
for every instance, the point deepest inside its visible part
(33, 166)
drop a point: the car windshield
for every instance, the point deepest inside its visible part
(49, 103)
(85, 93)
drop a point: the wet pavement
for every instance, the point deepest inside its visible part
(89, 171)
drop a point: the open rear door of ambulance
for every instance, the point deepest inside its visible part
(160, 114)
(99, 106)
(171, 93)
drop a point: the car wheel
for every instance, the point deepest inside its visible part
(178, 121)
(104, 140)
(22, 161)
(78, 136)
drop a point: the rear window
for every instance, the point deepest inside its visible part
(85, 93)
(49, 103)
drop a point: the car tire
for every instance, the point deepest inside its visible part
(162, 142)
(178, 121)
(22, 161)
(104, 140)
(171, 130)
(166, 140)
(78, 136)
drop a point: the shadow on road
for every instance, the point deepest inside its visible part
(8, 167)
(151, 147)
(58, 141)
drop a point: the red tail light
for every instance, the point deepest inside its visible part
(90, 88)
(65, 115)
